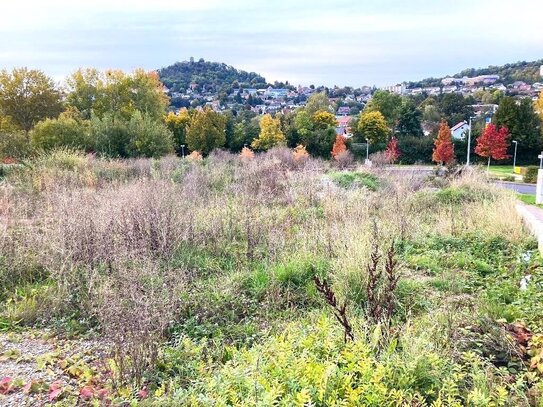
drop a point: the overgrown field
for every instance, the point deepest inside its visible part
(265, 282)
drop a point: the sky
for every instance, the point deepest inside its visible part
(339, 42)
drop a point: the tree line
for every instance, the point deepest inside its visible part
(118, 114)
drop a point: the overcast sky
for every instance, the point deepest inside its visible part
(337, 42)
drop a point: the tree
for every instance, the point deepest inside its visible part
(322, 119)
(270, 134)
(523, 123)
(206, 131)
(317, 101)
(392, 152)
(409, 120)
(178, 124)
(339, 146)
(455, 108)
(114, 91)
(148, 138)
(443, 147)
(28, 96)
(493, 143)
(111, 135)
(539, 106)
(65, 131)
(388, 104)
(373, 127)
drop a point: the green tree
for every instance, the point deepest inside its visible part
(64, 131)
(455, 108)
(270, 134)
(83, 86)
(111, 135)
(409, 120)
(388, 104)
(522, 121)
(317, 101)
(373, 127)
(28, 96)
(148, 137)
(206, 131)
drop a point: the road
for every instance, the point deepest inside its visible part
(520, 188)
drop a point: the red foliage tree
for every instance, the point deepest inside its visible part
(393, 152)
(443, 146)
(493, 143)
(339, 146)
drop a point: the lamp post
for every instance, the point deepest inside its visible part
(183, 150)
(515, 155)
(469, 141)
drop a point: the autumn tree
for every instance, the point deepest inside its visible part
(270, 134)
(339, 146)
(206, 131)
(392, 152)
(28, 96)
(117, 92)
(493, 143)
(373, 127)
(178, 125)
(323, 119)
(443, 147)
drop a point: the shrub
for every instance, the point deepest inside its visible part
(64, 132)
(349, 179)
(530, 176)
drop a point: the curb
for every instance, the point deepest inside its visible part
(535, 225)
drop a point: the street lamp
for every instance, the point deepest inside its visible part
(469, 140)
(183, 150)
(515, 155)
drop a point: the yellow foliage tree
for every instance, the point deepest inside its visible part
(322, 119)
(539, 106)
(270, 134)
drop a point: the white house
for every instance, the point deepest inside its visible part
(460, 130)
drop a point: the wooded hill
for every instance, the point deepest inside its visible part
(518, 71)
(208, 76)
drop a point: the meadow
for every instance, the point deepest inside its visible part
(273, 280)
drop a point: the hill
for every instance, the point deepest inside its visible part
(518, 71)
(208, 76)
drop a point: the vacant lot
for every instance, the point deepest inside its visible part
(265, 281)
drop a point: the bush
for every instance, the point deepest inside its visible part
(64, 132)
(141, 136)
(14, 144)
(530, 176)
(416, 149)
(349, 179)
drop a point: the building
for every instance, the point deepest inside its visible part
(343, 110)
(460, 130)
(397, 89)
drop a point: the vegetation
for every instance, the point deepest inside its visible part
(212, 76)
(443, 146)
(518, 71)
(268, 279)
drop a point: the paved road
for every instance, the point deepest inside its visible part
(520, 188)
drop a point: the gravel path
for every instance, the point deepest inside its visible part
(34, 363)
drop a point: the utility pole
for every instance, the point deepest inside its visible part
(469, 141)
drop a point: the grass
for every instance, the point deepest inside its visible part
(201, 276)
